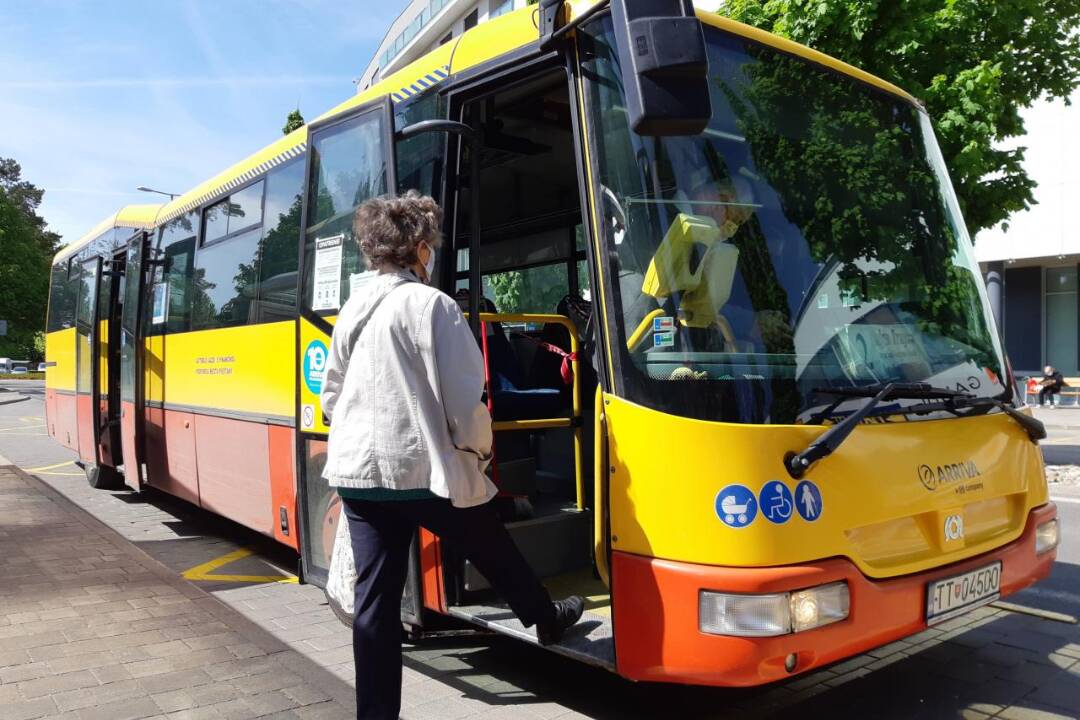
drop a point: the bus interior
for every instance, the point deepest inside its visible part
(533, 261)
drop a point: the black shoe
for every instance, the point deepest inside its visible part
(567, 612)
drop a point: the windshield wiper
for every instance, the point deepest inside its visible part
(943, 399)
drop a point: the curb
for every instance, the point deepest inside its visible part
(14, 400)
(277, 650)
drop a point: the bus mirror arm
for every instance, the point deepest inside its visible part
(798, 463)
(472, 136)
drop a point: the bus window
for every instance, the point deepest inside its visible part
(420, 158)
(170, 306)
(63, 294)
(226, 265)
(225, 281)
(348, 166)
(279, 248)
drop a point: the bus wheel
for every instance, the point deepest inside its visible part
(101, 477)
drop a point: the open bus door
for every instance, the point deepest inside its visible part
(131, 361)
(96, 313)
(350, 159)
(87, 392)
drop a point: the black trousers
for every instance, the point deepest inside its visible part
(1049, 390)
(381, 533)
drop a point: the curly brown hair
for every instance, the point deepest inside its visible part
(390, 228)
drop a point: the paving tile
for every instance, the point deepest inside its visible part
(132, 709)
(29, 710)
(52, 684)
(99, 695)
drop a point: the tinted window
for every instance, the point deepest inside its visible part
(225, 281)
(239, 211)
(281, 243)
(420, 158)
(63, 294)
(170, 296)
(348, 167)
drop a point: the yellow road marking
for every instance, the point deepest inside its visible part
(206, 571)
(44, 470)
(24, 427)
(50, 467)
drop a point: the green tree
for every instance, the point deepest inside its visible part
(293, 121)
(26, 250)
(974, 63)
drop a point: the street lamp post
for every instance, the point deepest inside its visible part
(143, 188)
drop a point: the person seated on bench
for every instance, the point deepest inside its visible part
(1050, 385)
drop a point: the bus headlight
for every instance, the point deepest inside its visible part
(772, 615)
(819, 606)
(1047, 536)
(744, 615)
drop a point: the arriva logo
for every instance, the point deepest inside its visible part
(954, 528)
(933, 478)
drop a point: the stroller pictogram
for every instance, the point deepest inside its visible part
(732, 509)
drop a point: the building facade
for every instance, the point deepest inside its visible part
(1032, 267)
(424, 25)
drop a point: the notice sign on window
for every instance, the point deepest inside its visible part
(160, 306)
(327, 281)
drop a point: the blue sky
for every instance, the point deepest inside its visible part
(98, 97)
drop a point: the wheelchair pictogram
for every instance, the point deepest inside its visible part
(777, 503)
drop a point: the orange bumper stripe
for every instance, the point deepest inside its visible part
(656, 612)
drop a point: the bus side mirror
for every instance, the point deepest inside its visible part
(661, 47)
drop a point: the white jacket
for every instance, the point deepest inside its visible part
(402, 390)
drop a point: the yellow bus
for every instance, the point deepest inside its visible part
(747, 392)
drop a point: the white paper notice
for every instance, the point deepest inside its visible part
(357, 281)
(161, 303)
(327, 283)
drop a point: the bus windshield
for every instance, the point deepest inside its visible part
(808, 239)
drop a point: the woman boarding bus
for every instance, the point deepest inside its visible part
(747, 393)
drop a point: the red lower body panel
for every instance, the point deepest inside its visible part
(239, 469)
(656, 612)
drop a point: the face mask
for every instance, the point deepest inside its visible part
(429, 266)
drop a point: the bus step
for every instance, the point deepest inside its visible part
(590, 641)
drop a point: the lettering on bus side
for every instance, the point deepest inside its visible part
(940, 476)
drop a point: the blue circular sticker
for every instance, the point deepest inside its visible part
(315, 357)
(776, 502)
(808, 500)
(736, 506)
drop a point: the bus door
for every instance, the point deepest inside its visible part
(110, 299)
(131, 361)
(520, 243)
(350, 159)
(87, 390)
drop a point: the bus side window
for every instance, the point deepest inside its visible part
(63, 293)
(420, 159)
(279, 250)
(226, 264)
(176, 242)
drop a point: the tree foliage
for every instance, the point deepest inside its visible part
(293, 121)
(975, 64)
(26, 250)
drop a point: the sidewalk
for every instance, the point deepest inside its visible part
(91, 628)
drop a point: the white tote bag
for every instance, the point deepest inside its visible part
(341, 583)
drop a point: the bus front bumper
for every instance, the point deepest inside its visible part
(656, 619)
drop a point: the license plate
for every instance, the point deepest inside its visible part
(956, 595)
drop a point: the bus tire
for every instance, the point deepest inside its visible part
(102, 477)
